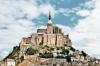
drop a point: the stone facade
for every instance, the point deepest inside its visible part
(51, 36)
(8, 62)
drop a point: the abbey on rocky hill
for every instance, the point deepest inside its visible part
(51, 36)
(48, 47)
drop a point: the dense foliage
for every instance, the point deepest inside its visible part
(65, 51)
(83, 53)
(22, 58)
(14, 53)
(68, 59)
(31, 51)
(46, 55)
(73, 49)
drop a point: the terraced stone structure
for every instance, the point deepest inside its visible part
(51, 36)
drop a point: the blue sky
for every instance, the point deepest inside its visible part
(79, 18)
(64, 18)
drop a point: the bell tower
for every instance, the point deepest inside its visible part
(49, 25)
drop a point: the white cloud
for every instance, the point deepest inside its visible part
(16, 21)
(83, 13)
(13, 27)
(90, 4)
(86, 34)
(66, 12)
(45, 8)
(88, 29)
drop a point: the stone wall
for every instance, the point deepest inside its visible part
(52, 37)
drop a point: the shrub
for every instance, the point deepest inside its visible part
(83, 53)
(47, 55)
(65, 51)
(22, 58)
(14, 53)
(71, 48)
(31, 51)
(68, 59)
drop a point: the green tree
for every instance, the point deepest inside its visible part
(47, 55)
(65, 51)
(22, 58)
(73, 49)
(31, 51)
(14, 53)
(83, 53)
(68, 59)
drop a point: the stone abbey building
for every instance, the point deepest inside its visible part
(51, 36)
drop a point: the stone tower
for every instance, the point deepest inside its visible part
(49, 25)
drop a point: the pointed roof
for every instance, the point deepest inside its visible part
(49, 15)
(49, 18)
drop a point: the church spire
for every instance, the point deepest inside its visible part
(49, 15)
(49, 18)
